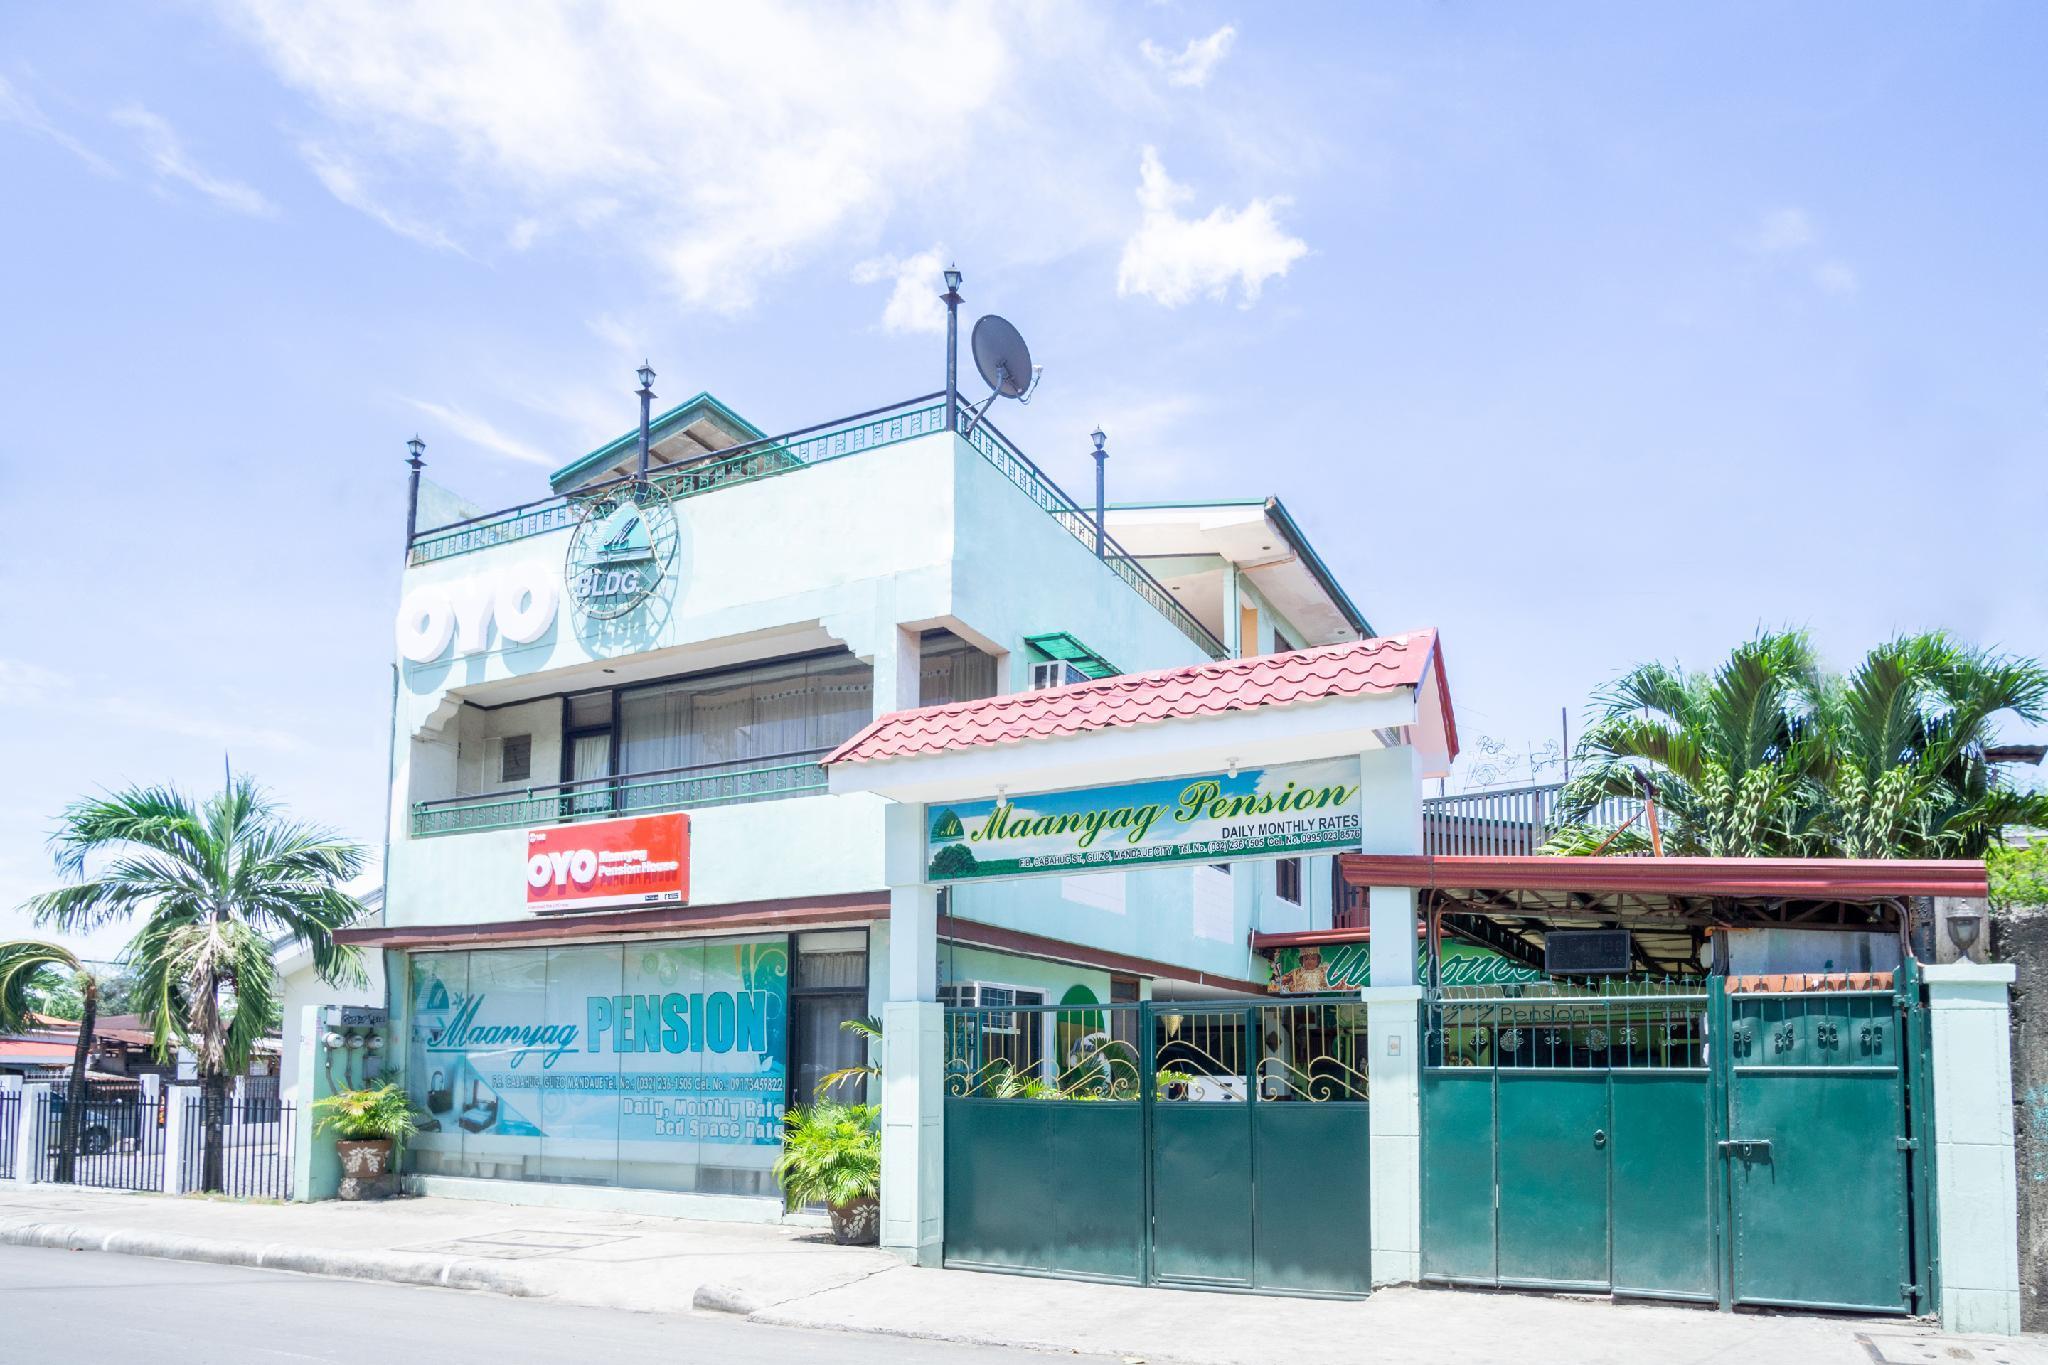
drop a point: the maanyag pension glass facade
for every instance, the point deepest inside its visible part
(653, 1065)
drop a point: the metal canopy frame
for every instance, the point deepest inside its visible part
(1669, 931)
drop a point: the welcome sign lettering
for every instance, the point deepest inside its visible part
(1209, 817)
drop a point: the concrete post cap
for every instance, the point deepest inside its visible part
(1969, 973)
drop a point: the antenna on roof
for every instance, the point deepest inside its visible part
(1005, 363)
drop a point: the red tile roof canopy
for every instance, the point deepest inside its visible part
(1383, 664)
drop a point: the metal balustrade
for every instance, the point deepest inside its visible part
(649, 793)
(776, 455)
(1510, 822)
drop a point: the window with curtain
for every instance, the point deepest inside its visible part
(950, 670)
(742, 719)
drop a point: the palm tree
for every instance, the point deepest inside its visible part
(213, 884)
(1907, 731)
(1731, 759)
(26, 964)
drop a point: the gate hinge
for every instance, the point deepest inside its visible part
(1908, 1291)
(1909, 1144)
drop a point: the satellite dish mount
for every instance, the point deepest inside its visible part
(1005, 363)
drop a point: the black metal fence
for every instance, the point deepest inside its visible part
(254, 1142)
(117, 1142)
(10, 1122)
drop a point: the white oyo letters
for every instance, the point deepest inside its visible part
(520, 598)
(559, 868)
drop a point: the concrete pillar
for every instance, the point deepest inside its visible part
(238, 1110)
(899, 664)
(1393, 1016)
(913, 1053)
(29, 1131)
(316, 1171)
(1390, 786)
(181, 1117)
(1975, 1184)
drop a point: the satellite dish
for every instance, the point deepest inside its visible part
(1005, 363)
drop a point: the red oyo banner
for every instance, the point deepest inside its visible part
(644, 860)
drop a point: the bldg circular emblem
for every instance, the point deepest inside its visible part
(622, 550)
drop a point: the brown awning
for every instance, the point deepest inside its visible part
(796, 912)
(1832, 879)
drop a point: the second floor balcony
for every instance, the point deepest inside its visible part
(715, 738)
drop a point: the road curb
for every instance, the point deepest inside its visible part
(392, 1267)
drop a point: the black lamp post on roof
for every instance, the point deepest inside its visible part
(416, 449)
(646, 375)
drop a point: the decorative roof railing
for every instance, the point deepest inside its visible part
(774, 455)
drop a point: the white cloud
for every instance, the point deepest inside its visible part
(1781, 230)
(1173, 260)
(16, 107)
(168, 158)
(27, 686)
(719, 145)
(345, 183)
(1837, 277)
(477, 431)
(914, 304)
(1192, 65)
(1791, 234)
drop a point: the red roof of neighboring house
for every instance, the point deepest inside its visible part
(1382, 664)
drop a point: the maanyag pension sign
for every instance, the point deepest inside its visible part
(1209, 817)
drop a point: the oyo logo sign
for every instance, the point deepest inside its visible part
(519, 599)
(558, 868)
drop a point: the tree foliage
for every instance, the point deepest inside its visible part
(1769, 755)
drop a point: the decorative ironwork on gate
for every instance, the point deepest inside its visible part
(1312, 1051)
(1621, 1026)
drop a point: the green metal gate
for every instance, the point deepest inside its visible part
(1566, 1144)
(1820, 1148)
(1210, 1145)
(1573, 1141)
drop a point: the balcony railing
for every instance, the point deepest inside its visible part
(648, 793)
(1508, 822)
(773, 455)
(739, 464)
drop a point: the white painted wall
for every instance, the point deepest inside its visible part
(919, 534)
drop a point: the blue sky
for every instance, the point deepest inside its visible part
(1586, 333)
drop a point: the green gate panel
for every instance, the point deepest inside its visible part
(995, 1159)
(1313, 1211)
(1046, 1185)
(1457, 1174)
(1820, 1216)
(1553, 1178)
(1095, 1188)
(1661, 1151)
(1202, 1193)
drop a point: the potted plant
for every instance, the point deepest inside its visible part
(832, 1155)
(367, 1125)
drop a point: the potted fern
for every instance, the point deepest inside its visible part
(367, 1125)
(832, 1155)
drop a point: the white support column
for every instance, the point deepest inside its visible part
(1390, 784)
(1975, 1182)
(28, 1127)
(899, 664)
(179, 1118)
(913, 1053)
(238, 1110)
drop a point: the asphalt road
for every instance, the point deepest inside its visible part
(89, 1307)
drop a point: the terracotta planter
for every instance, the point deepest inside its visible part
(364, 1168)
(858, 1224)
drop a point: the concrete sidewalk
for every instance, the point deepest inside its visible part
(795, 1277)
